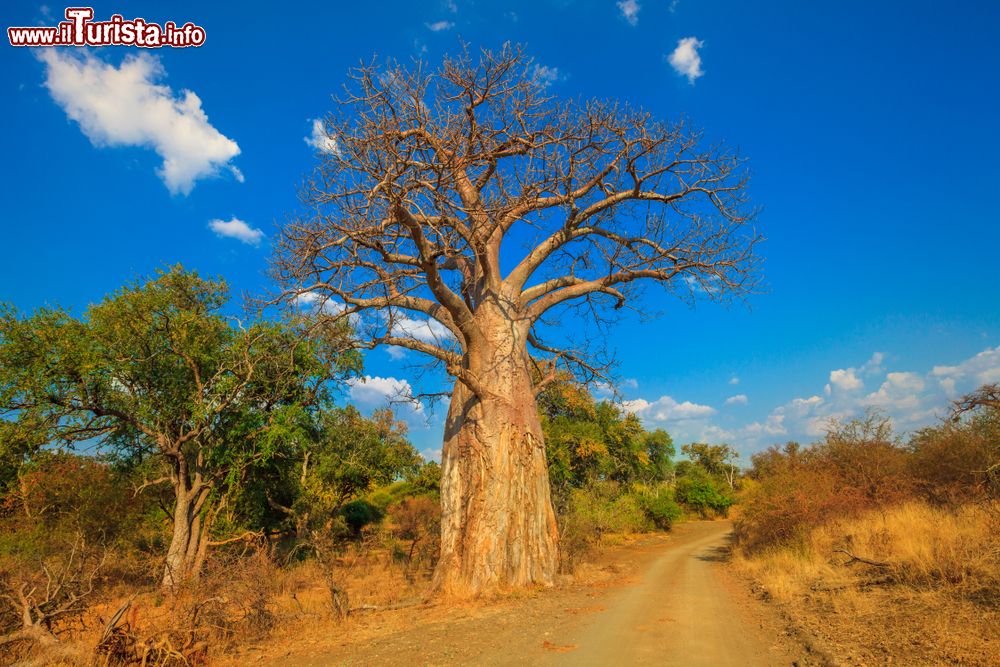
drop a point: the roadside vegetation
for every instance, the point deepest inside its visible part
(610, 476)
(178, 480)
(878, 546)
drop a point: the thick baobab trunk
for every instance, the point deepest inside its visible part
(188, 542)
(498, 529)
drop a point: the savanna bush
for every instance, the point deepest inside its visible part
(232, 604)
(659, 505)
(415, 522)
(918, 544)
(606, 507)
(703, 495)
(361, 513)
(60, 498)
(958, 461)
(62, 493)
(860, 466)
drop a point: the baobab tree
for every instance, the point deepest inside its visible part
(458, 213)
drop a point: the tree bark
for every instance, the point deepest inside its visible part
(186, 552)
(498, 528)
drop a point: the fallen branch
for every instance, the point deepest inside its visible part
(859, 559)
(249, 535)
(388, 607)
(112, 623)
(41, 602)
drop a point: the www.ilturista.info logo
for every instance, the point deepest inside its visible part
(80, 30)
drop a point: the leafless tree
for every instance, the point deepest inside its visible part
(56, 592)
(987, 396)
(459, 213)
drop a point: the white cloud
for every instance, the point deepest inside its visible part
(774, 425)
(873, 365)
(317, 301)
(734, 380)
(900, 391)
(320, 139)
(702, 284)
(686, 60)
(713, 433)
(666, 409)
(545, 75)
(124, 106)
(802, 405)
(236, 229)
(451, 6)
(630, 11)
(846, 379)
(604, 390)
(911, 399)
(427, 331)
(438, 26)
(373, 392)
(686, 421)
(984, 368)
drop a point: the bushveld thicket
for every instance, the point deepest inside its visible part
(861, 466)
(881, 545)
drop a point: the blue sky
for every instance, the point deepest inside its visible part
(870, 129)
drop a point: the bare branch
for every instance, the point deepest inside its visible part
(438, 175)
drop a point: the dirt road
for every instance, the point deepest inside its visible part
(678, 614)
(667, 602)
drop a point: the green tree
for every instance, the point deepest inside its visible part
(156, 371)
(660, 451)
(345, 456)
(589, 441)
(716, 460)
(697, 490)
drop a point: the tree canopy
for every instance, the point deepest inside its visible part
(157, 371)
(433, 180)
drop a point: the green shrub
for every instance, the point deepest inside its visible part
(626, 514)
(660, 507)
(703, 495)
(604, 507)
(360, 513)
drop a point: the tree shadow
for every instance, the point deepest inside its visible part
(718, 554)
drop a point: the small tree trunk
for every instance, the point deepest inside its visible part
(185, 555)
(498, 529)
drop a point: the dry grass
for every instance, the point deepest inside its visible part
(239, 606)
(929, 593)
